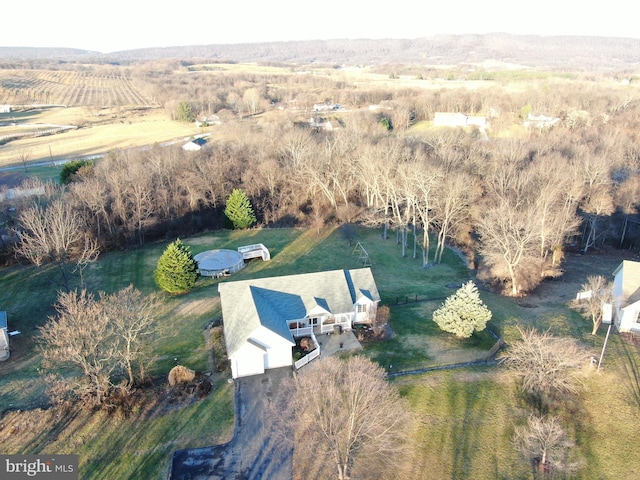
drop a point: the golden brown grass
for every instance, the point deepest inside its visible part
(102, 131)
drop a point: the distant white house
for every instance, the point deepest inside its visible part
(195, 144)
(263, 317)
(540, 121)
(454, 119)
(326, 107)
(5, 108)
(209, 120)
(626, 296)
(321, 124)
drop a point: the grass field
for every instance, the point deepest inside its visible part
(101, 131)
(463, 419)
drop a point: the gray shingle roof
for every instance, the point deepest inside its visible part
(270, 302)
(630, 281)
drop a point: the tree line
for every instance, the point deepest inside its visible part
(513, 203)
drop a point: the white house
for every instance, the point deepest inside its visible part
(4, 337)
(626, 296)
(262, 317)
(5, 108)
(195, 144)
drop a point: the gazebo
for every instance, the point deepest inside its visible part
(219, 263)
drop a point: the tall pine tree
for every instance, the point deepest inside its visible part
(176, 271)
(239, 210)
(463, 312)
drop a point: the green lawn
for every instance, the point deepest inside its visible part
(463, 426)
(463, 418)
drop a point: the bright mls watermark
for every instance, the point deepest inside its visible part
(50, 467)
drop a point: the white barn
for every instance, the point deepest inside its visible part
(263, 316)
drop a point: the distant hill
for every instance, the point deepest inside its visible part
(28, 53)
(551, 52)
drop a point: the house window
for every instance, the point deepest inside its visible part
(361, 308)
(314, 321)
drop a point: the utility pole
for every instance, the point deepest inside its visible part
(606, 318)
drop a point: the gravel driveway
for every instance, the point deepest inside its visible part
(252, 453)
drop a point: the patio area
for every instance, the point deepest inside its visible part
(330, 342)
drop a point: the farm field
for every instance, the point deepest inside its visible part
(111, 113)
(102, 132)
(463, 418)
(97, 87)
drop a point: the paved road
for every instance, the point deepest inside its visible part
(252, 453)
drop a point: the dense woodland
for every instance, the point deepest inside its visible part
(513, 202)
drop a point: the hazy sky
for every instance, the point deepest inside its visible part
(112, 25)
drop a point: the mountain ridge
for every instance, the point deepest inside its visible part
(533, 51)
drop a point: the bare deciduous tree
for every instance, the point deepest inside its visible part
(79, 336)
(251, 100)
(105, 338)
(132, 322)
(57, 234)
(508, 232)
(345, 410)
(544, 442)
(548, 366)
(591, 305)
(598, 196)
(626, 198)
(456, 193)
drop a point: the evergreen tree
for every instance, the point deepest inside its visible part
(463, 312)
(185, 112)
(239, 210)
(176, 271)
(71, 168)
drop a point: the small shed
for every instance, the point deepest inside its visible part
(257, 250)
(4, 337)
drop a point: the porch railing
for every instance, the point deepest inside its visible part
(312, 354)
(328, 328)
(302, 331)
